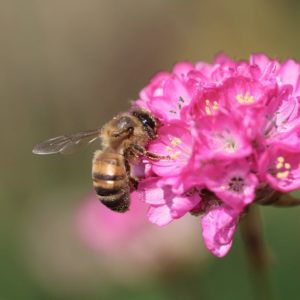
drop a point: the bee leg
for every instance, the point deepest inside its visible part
(133, 181)
(142, 151)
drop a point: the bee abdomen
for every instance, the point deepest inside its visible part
(119, 202)
(103, 192)
(111, 181)
(114, 198)
(112, 191)
(107, 177)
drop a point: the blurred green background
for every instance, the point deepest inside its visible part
(70, 65)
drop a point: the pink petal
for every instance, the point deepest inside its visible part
(160, 215)
(289, 73)
(182, 205)
(218, 228)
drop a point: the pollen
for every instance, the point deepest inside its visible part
(175, 155)
(282, 167)
(280, 161)
(176, 141)
(282, 175)
(210, 107)
(245, 99)
(215, 105)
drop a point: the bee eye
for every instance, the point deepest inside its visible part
(146, 119)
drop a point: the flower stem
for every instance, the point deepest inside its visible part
(252, 234)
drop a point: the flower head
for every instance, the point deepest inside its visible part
(231, 130)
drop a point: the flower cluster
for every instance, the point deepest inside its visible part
(231, 130)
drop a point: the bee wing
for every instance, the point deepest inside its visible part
(67, 144)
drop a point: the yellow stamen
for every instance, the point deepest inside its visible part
(245, 99)
(215, 105)
(176, 141)
(280, 159)
(208, 106)
(282, 175)
(175, 155)
(281, 164)
(207, 110)
(168, 148)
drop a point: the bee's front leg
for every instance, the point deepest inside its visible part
(141, 151)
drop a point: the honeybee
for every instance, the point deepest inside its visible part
(123, 140)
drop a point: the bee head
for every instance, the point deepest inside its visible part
(148, 121)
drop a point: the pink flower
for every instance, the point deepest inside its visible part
(101, 228)
(165, 205)
(231, 129)
(176, 141)
(289, 74)
(280, 167)
(221, 137)
(242, 93)
(265, 70)
(281, 115)
(167, 94)
(218, 227)
(234, 184)
(121, 243)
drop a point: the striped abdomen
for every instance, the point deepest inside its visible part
(110, 180)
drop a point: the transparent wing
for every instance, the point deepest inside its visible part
(67, 144)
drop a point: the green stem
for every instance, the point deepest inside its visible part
(252, 234)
